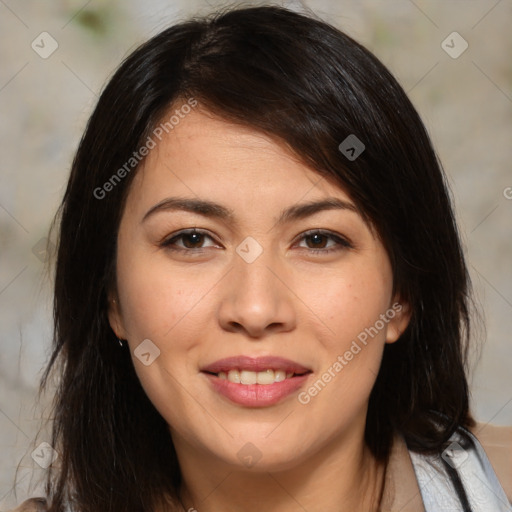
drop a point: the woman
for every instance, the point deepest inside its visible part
(261, 300)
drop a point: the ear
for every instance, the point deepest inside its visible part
(115, 318)
(399, 315)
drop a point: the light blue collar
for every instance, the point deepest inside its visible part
(460, 480)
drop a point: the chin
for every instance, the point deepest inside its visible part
(258, 454)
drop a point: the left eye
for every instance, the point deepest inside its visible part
(323, 241)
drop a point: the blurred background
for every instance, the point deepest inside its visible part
(451, 56)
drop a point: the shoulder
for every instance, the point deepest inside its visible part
(32, 505)
(463, 475)
(497, 444)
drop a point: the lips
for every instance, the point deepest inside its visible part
(247, 388)
(257, 364)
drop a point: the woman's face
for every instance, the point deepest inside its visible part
(282, 277)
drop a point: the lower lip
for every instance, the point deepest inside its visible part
(256, 395)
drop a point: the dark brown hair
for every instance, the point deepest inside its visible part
(311, 86)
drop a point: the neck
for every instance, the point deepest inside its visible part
(343, 477)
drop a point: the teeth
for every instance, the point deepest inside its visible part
(279, 375)
(266, 377)
(247, 377)
(234, 376)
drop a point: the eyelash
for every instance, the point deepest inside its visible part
(342, 243)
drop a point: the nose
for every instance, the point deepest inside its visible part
(256, 299)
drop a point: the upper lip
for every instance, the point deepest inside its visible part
(255, 364)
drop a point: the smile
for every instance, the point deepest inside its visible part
(255, 382)
(247, 377)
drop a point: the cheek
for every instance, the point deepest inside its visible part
(352, 301)
(157, 299)
(170, 309)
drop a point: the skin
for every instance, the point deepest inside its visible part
(205, 302)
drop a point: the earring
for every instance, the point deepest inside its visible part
(118, 339)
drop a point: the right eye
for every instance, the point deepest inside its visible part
(187, 240)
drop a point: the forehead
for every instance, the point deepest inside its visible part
(203, 151)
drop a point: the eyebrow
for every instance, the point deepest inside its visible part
(215, 210)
